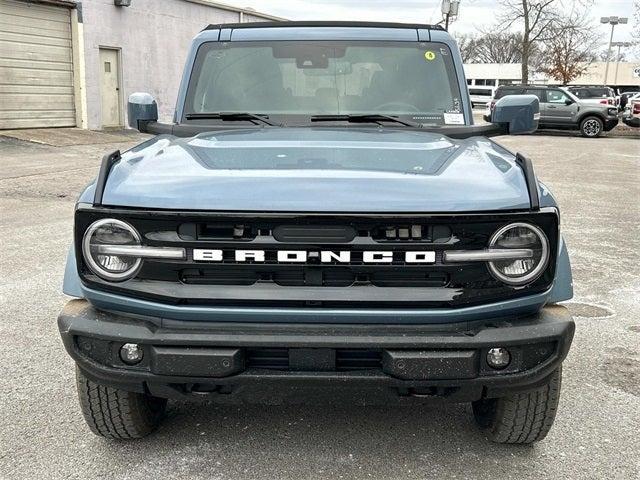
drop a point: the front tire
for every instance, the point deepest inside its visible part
(591, 127)
(520, 418)
(113, 413)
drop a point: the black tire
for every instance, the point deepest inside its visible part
(521, 418)
(591, 127)
(119, 414)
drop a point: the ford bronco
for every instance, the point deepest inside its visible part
(321, 211)
(562, 110)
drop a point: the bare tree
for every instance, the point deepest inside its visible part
(535, 18)
(636, 30)
(499, 48)
(490, 47)
(467, 45)
(572, 46)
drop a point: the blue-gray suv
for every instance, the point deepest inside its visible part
(321, 211)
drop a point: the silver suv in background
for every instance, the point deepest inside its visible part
(560, 109)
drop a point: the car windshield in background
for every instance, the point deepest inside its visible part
(297, 80)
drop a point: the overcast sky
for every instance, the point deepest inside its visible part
(473, 13)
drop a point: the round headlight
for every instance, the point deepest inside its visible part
(110, 232)
(524, 270)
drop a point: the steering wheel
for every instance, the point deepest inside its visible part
(399, 106)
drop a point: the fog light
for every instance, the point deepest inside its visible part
(498, 358)
(131, 353)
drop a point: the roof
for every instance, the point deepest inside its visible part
(321, 23)
(247, 11)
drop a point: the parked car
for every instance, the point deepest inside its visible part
(322, 212)
(560, 109)
(624, 98)
(594, 95)
(631, 115)
(480, 95)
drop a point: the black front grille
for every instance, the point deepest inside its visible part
(313, 284)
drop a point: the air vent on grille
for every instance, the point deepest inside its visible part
(315, 276)
(269, 358)
(358, 359)
(314, 234)
(346, 359)
(408, 278)
(221, 276)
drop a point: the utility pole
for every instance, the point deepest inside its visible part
(613, 21)
(450, 11)
(619, 45)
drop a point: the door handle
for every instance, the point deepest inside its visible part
(551, 106)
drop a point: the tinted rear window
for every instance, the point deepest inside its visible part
(591, 92)
(502, 92)
(480, 91)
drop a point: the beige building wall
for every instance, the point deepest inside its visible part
(152, 38)
(628, 73)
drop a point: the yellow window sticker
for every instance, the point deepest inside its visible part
(429, 55)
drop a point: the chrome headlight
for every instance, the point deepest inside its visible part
(535, 248)
(97, 248)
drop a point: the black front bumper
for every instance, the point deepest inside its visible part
(449, 360)
(610, 123)
(632, 121)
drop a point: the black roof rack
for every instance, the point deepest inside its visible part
(320, 23)
(535, 85)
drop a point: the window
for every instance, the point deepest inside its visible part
(537, 92)
(503, 92)
(325, 77)
(557, 96)
(485, 92)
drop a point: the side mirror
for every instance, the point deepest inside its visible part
(517, 113)
(141, 109)
(568, 101)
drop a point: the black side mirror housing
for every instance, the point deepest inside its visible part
(141, 109)
(517, 113)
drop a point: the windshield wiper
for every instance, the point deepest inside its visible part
(365, 118)
(233, 116)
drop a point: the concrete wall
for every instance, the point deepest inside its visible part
(153, 37)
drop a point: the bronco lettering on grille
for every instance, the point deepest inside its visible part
(324, 256)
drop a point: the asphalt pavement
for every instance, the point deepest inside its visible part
(320, 434)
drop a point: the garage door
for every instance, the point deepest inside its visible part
(36, 67)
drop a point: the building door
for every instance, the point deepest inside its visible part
(36, 66)
(110, 88)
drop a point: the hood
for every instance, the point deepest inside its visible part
(318, 170)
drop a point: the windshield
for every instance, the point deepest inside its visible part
(415, 80)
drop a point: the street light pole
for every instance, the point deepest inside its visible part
(619, 45)
(449, 10)
(613, 21)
